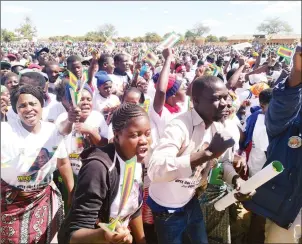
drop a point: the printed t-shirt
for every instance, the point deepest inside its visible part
(135, 198)
(95, 120)
(28, 160)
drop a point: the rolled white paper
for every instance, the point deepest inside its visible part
(257, 180)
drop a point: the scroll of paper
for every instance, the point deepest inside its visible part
(257, 180)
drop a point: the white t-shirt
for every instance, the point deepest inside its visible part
(260, 143)
(28, 160)
(135, 199)
(99, 102)
(118, 81)
(95, 120)
(53, 112)
(231, 125)
(160, 121)
(151, 89)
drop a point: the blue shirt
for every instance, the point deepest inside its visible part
(280, 199)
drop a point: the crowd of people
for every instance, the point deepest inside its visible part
(129, 156)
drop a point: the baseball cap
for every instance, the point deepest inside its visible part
(6, 64)
(44, 49)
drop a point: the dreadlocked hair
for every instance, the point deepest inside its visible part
(124, 114)
(35, 91)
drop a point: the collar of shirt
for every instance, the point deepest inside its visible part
(196, 119)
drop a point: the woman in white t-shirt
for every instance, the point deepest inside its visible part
(104, 101)
(91, 129)
(31, 150)
(169, 96)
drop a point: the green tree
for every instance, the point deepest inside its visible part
(190, 35)
(152, 37)
(108, 30)
(223, 39)
(274, 26)
(7, 36)
(27, 29)
(211, 38)
(200, 29)
(138, 39)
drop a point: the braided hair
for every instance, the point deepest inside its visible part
(35, 91)
(124, 114)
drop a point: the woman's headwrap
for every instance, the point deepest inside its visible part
(173, 84)
(102, 77)
(180, 68)
(259, 87)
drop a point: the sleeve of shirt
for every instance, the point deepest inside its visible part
(61, 118)
(89, 196)
(283, 108)
(228, 170)
(103, 128)
(61, 151)
(164, 164)
(110, 132)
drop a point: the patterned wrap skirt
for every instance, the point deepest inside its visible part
(32, 218)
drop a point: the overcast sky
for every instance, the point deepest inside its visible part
(132, 19)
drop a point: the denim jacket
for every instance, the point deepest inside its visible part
(280, 199)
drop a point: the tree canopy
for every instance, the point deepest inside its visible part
(274, 26)
(27, 30)
(7, 36)
(108, 30)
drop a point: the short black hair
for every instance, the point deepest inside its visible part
(124, 114)
(202, 83)
(135, 90)
(265, 96)
(119, 57)
(7, 76)
(35, 76)
(103, 59)
(73, 58)
(200, 63)
(26, 89)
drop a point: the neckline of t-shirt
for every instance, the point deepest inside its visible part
(27, 133)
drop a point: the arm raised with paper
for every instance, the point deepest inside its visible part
(287, 99)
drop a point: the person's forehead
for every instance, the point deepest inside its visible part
(26, 98)
(76, 63)
(141, 122)
(86, 93)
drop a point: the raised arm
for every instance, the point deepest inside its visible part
(287, 100)
(162, 84)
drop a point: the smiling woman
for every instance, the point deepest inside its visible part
(31, 150)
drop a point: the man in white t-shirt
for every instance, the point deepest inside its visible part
(257, 156)
(179, 164)
(120, 76)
